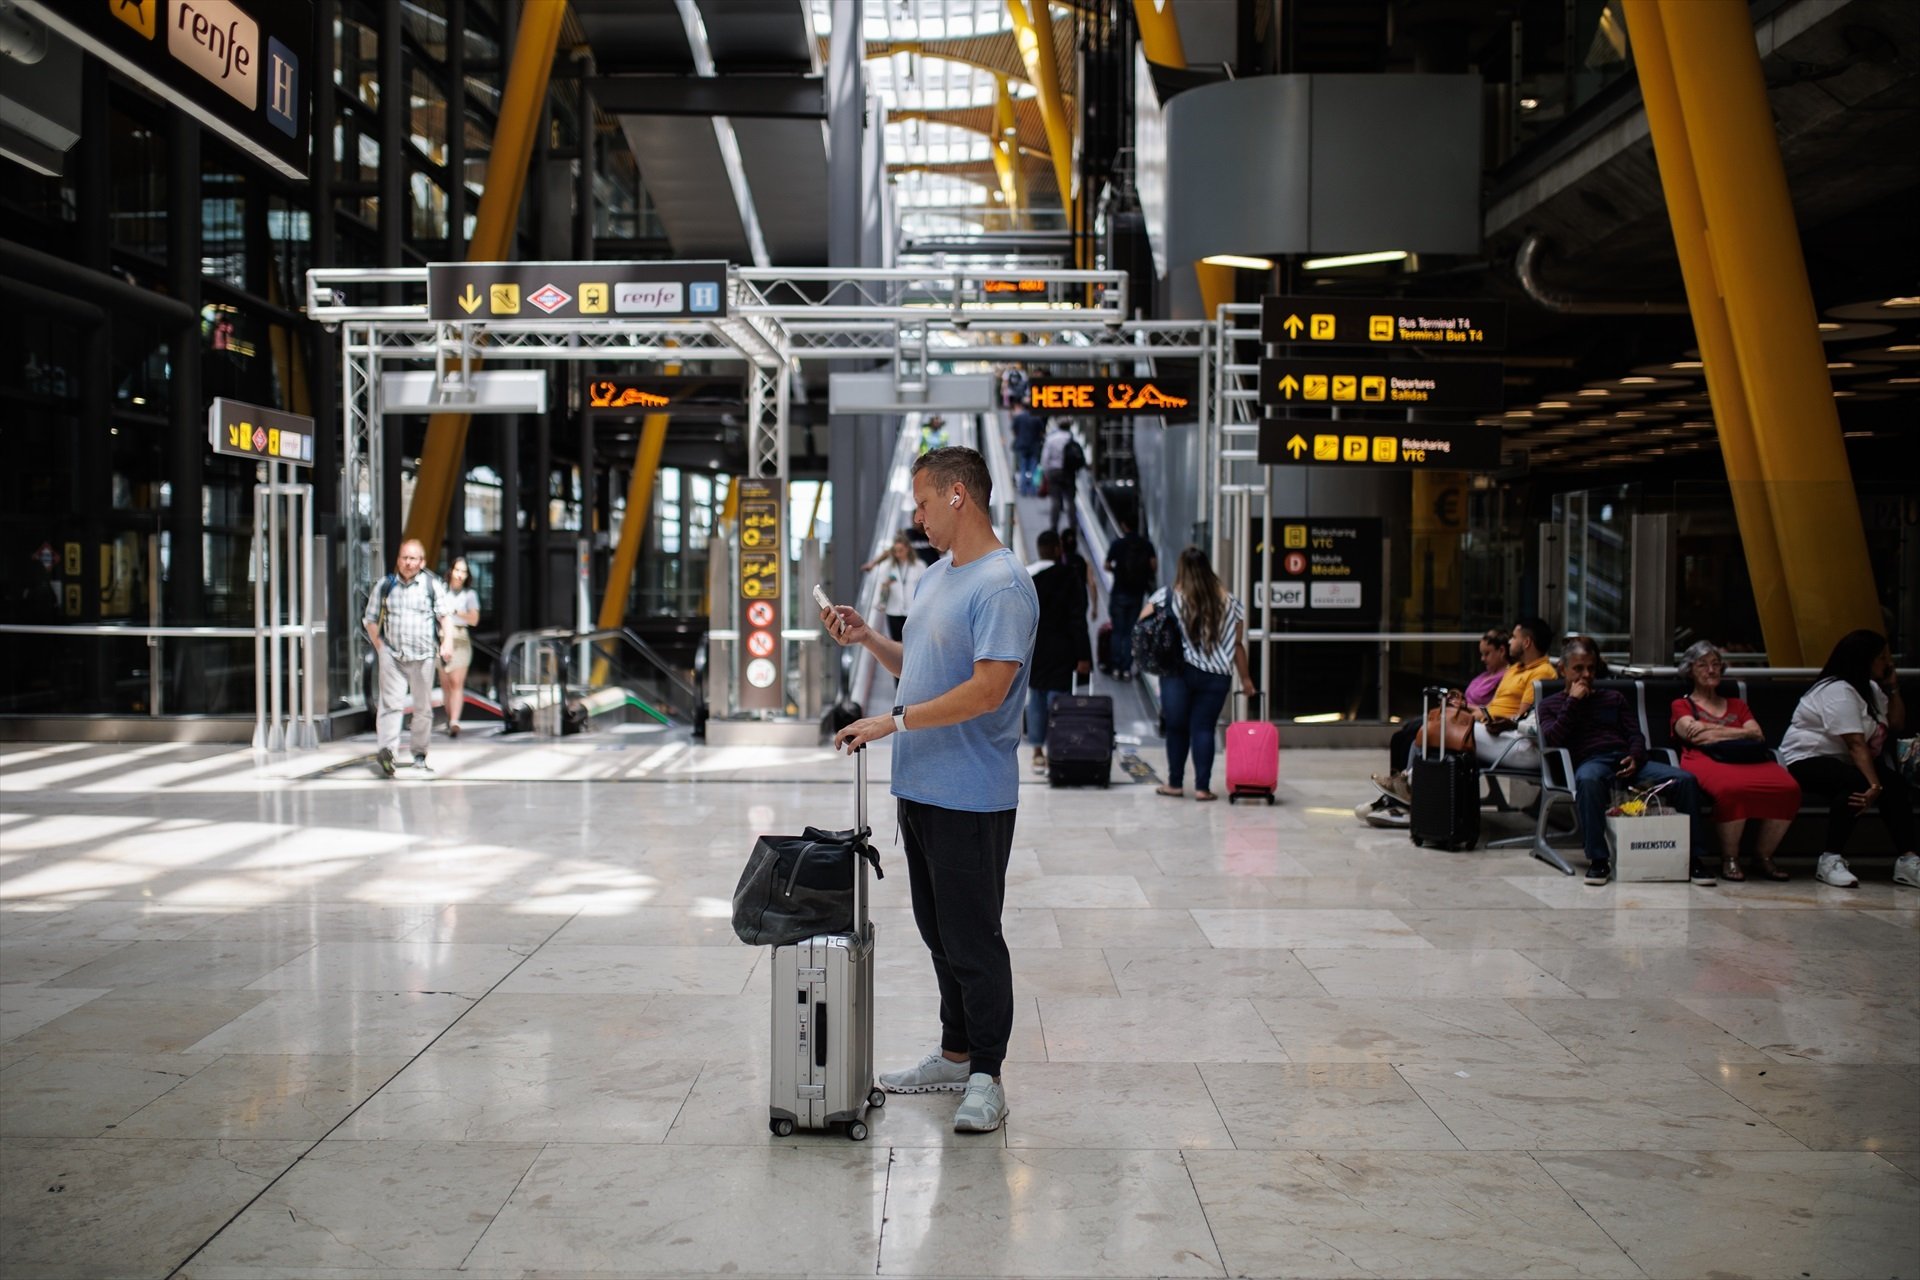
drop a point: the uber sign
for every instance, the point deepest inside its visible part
(240, 67)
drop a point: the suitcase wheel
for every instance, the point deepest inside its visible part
(782, 1128)
(877, 1097)
(1418, 843)
(857, 1131)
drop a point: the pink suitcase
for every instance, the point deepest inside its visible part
(1253, 759)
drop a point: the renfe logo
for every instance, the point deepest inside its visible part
(217, 39)
(630, 297)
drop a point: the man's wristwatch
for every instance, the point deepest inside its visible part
(900, 719)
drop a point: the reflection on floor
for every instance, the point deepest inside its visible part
(255, 1023)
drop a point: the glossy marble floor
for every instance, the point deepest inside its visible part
(260, 1022)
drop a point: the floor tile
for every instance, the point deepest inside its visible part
(1834, 1029)
(1295, 928)
(1335, 891)
(1651, 1030)
(1435, 975)
(1076, 891)
(208, 965)
(1398, 1030)
(123, 1207)
(86, 1095)
(641, 927)
(140, 1020)
(262, 1096)
(478, 1097)
(1044, 1213)
(1120, 927)
(1062, 971)
(1215, 973)
(1401, 1214)
(376, 1207)
(467, 968)
(1133, 1106)
(627, 970)
(303, 1023)
(1354, 1106)
(1798, 1213)
(1155, 1029)
(680, 1211)
(1728, 973)
(322, 922)
(29, 961)
(1828, 1108)
(1166, 892)
(728, 1107)
(24, 1006)
(1642, 1107)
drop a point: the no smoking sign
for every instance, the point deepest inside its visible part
(760, 614)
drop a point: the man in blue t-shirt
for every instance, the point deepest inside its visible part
(962, 665)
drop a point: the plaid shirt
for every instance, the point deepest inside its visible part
(413, 610)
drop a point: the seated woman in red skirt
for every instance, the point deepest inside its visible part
(1746, 783)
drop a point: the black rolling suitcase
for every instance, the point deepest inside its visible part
(1080, 740)
(1446, 790)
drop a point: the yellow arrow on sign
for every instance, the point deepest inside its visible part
(469, 300)
(1293, 326)
(1288, 385)
(1296, 447)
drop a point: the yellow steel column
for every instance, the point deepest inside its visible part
(1762, 274)
(1033, 32)
(1006, 151)
(513, 137)
(1735, 425)
(633, 528)
(1160, 42)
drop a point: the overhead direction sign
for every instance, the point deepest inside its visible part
(576, 290)
(1121, 396)
(1318, 382)
(1378, 446)
(1460, 324)
(242, 430)
(244, 69)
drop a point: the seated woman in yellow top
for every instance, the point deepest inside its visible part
(1495, 739)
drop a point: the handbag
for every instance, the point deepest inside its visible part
(1158, 647)
(794, 887)
(1454, 725)
(1732, 752)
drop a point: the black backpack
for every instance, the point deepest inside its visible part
(1158, 646)
(1074, 459)
(794, 887)
(1133, 567)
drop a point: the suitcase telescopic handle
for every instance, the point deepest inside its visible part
(1255, 700)
(1431, 697)
(860, 833)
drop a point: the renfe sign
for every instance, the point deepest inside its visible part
(243, 68)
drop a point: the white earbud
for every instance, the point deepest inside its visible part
(954, 501)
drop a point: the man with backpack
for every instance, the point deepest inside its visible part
(1136, 573)
(1062, 459)
(406, 612)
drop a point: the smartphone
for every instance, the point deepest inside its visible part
(820, 596)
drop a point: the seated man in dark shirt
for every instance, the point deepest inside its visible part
(1602, 733)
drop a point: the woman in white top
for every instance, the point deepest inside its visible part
(1212, 637)
(898, 583)
(466, 613)
(1836, 748)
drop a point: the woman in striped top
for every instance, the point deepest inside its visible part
(1212, 625)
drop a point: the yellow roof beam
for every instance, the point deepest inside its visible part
(1033, 33)
(1006, 153)
(513, 137)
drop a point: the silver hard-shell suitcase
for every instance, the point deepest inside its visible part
(823, 1017)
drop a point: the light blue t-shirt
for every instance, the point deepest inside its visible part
(985, 609)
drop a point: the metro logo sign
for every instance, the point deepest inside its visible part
(217, 39)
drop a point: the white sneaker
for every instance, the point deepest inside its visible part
(1906, 869)
(984, 1107)
(932, 1074)
(1832, 869)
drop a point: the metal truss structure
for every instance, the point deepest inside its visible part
(776, 321)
